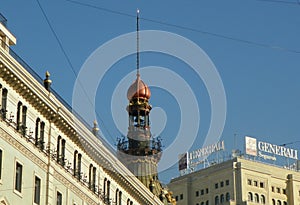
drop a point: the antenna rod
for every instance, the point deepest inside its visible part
(137, 44)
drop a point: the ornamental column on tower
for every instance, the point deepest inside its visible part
(140, 151)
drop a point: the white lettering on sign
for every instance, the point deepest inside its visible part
(278, 150)
(205, 151)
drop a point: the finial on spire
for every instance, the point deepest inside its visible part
(137, 44)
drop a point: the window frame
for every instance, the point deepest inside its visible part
(58, 193)
(35, 190)
(18, 180)
(1, 162)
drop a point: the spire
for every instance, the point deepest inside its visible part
(137, 44)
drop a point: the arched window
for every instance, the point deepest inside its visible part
(117, 196)
(227, 196)
(128, 201)
(37, 124)
(42, 136)
(217, 202)
(222, 198)
(106, 190)
(250, 196)
(120, 198)
(77, 165)
(263, 199)
(24, 114)
(284, 203)
(104, 187)
(273, 202)
(278, 202)
(207, 202)
(92, 178)
(63, 151)
(4, 103)
(256, 198)
(18, 121)
(58, 149)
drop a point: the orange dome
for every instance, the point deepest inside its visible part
(138, 89)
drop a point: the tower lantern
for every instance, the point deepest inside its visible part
(141, 152)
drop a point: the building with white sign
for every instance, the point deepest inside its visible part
(47, 154)
(238, 181)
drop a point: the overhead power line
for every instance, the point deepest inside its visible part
(297, 2)
(265, 45)
(70, 64)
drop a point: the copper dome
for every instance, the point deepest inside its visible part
(138, 89)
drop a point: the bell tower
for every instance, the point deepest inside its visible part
(140, 151)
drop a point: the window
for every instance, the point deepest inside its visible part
(249, 182)
(250, 196)
(197, 193)
(37, 190)
(227, 196)
(92, 178)
(37, 124)
(216, 185)
(1, 154)
(255, 183)
(261, 185)
(60, 151)
(273, 189)
(176, 198)
(106, 189)
(19, 115)
(181, 196)
(24, 113)
(207, 202)
(207, 190)
(222, 184)
(284, 191)
(222, 198)
(63, 151)
(120, 198)
(117, 196)
(227, 182)
(256, 198)
(263, 199)
(278, 190)
(58, 198)
(278, 202)
(77, 165)
(4, 103)
(273, 202)
(42, 133)
(202, 191)
(217, 202)
(18, 179)
(58, 148)
(284, 203)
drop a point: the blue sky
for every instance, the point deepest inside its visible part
(254, 45)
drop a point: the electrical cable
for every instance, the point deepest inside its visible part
(265, 45)
(70, 64)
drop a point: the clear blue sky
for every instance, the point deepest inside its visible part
(254, 45)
